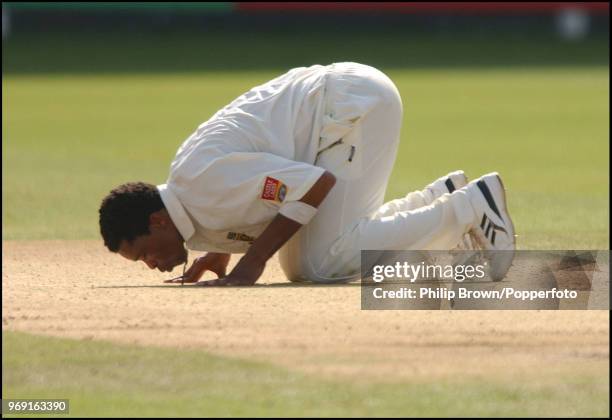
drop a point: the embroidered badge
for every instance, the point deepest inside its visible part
(273, 190)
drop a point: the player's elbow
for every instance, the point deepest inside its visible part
(320, 189)
(328, 181)
(324, 185)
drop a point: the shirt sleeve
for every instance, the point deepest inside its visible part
(242, 188)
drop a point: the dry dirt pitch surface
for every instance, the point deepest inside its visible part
(77, 289)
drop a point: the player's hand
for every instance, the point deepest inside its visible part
(245, 273)
(228, 281)
(212, 261)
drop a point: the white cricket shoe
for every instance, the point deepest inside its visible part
(493, 229)
(446, 184)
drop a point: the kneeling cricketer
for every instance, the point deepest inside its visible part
(300, 165)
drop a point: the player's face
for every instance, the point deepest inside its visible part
(161, 249)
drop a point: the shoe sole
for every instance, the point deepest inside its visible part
(506, 210)
(504, 258)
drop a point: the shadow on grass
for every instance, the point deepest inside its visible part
(255, 286)
(292, 285)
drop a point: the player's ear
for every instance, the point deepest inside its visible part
(157, 219)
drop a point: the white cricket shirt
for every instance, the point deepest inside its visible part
(230, 177)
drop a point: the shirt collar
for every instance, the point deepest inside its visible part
(176, 211)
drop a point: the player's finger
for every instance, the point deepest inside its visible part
(209, 283)
(188, 279)
(179, 280)
(194, 273)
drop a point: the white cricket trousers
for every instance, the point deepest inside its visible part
(363, 109)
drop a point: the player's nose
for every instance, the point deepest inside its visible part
(151, 264)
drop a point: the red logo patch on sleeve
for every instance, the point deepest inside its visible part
(273, 190)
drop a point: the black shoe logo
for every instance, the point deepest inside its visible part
(491, 228)
(488, 196)
(449, 185)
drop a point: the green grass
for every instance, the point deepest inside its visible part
(102, 379)
(229, 46)
(69, 139)
(83, 113)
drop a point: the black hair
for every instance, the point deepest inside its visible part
(125, 211)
